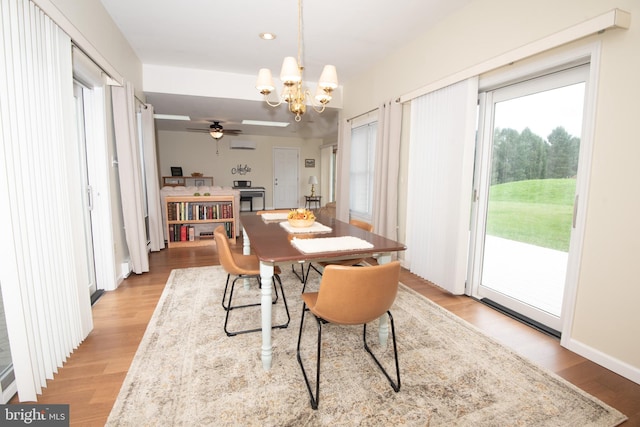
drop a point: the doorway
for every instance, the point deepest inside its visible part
(525, 208)
(286, 178)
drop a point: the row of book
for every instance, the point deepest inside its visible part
(192, 211)
(187, 232)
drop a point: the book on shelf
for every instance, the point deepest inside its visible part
(190, 211)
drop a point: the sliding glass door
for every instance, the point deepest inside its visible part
(529, 148)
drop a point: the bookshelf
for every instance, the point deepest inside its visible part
(192, 219)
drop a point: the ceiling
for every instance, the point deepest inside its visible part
(222, 35)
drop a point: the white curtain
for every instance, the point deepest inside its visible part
(387, 166)
(156, 233)
(43, 274)
(129, 171)
(440, 177)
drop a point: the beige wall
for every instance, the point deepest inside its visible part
(196, 152)
(606, 323)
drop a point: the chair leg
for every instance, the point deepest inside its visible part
(300, 276)
(306, 277)
(314, 399)
(396, 385)
(284, 300)
(224, 296)
(229, 307)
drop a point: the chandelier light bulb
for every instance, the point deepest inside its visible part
(290, 73)
(265, 81)
(328, 78)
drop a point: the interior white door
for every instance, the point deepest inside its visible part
(286, 178)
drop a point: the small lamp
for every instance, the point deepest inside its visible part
(313, 180)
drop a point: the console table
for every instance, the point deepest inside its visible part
(312, 200)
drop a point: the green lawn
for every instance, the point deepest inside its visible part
(537, 212)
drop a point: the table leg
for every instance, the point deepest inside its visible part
(383, 322)
(246, 250)
(266, 277)
(246, 244)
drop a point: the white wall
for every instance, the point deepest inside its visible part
(606, 324)
(196, 152)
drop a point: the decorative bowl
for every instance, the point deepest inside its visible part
(300, 223)
(196, 174)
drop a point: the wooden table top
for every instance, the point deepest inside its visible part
(272, 243)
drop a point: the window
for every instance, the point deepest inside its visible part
(363, 144)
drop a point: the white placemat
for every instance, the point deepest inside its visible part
(316, 227)
(274, 216)
(330, 244)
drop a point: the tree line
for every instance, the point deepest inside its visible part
(525, 156)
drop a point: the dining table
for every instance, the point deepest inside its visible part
(275, 242)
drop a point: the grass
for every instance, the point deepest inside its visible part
(538, 212)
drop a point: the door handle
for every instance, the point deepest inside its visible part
(89, 198)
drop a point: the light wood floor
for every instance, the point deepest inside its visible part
(90, 380)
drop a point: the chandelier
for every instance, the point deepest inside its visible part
(293, 93)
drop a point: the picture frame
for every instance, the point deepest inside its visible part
(309, 163)
(176, 171)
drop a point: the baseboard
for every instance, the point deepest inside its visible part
(125, 270)
(628, 371)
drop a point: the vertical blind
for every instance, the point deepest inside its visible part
(43, 272)
(363, 143)
(440, 176)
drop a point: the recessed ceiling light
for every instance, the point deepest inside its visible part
(265, 123)
(267, 36)
(171, 117)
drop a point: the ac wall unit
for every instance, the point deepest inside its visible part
(238, 144)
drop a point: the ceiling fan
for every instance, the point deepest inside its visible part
(216, 130)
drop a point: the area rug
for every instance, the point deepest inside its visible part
(187, 372)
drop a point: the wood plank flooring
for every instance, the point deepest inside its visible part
(91, 379)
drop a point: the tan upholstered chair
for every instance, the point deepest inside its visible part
(241, 267)
(352, 261)
(352, 296)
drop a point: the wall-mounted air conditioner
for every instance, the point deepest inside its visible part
(238, 144)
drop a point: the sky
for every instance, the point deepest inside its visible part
(544, 111)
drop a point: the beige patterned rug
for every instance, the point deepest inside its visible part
(187, 372)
